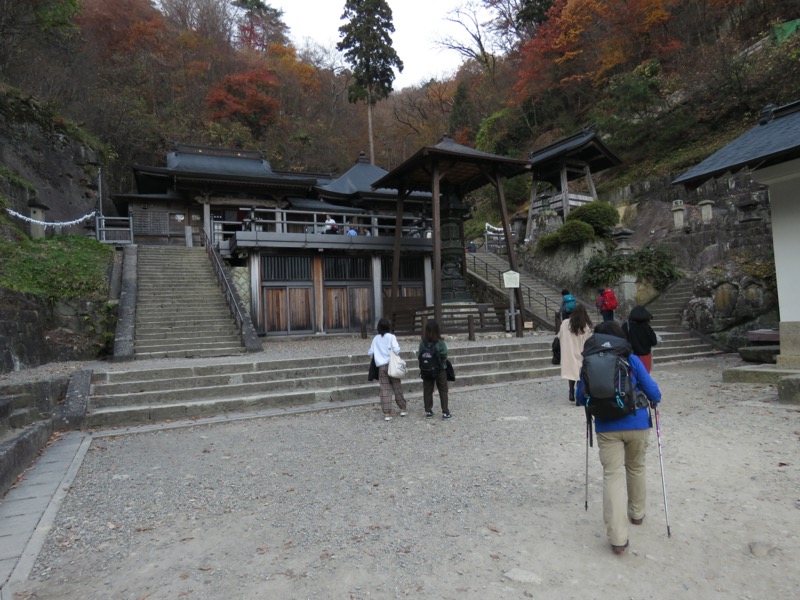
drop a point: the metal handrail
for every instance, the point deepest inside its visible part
(230, 297)
(532, 297)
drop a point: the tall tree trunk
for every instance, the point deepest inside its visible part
(369, 127)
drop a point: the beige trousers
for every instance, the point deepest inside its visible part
(622, 454)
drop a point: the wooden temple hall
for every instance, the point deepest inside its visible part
(314, 253)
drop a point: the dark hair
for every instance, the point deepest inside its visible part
(579, 320)
(600, 290)
(384, 326)
(564, 292)
(610, 328)
(432, 333)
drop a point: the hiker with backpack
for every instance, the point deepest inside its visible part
(640, 335)
(383, 344)
(567, 304)
(571, 336)
(606, 303)
(432, 354)
(615, 388)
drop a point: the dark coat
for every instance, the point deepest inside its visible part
(638, 331)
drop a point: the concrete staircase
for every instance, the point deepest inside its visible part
(147, 395)
(180, 309)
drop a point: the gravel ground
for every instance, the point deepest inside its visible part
(340, 504)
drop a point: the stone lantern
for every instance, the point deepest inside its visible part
(678, 211)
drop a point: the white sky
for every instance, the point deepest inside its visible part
(417, 26)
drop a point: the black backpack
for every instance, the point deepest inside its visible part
(608, 388)
(429, 363)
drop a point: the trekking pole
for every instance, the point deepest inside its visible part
(661, 460)
(586, 484)
(588, 443)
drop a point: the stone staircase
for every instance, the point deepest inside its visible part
(180, 309)
(197, 388)
(543, 300)
(667, 309)
(144, 395)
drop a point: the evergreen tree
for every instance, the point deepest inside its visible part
(367, 46)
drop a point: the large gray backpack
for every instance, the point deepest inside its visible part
(608, 386)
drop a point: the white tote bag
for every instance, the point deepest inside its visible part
(397, 366)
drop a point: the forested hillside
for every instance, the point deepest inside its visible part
(664, 81)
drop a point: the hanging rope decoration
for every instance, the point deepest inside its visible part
(492, 229)
(51, 223)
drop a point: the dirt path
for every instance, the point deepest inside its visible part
(341, 504)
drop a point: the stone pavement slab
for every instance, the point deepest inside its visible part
(27, 511)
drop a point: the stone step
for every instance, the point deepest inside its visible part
(189, 353)
(123, 415)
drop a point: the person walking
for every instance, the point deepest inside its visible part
(572, 334)
(622, 445)
(606, 303)
(568, 303)
(382, 346)
(640, 335)
(433, 344)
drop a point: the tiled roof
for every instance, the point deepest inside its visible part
(774, 140)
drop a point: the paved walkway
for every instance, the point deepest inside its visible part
(28, 510)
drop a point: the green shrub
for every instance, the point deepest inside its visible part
(576, 232)
(654, 264)
(548, 243)
(600, 215)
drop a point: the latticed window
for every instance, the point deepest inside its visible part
(286, 268)
(411, 268)
(347, 268)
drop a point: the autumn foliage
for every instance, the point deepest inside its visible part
(248, 98)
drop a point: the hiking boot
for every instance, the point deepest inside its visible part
(619, 549)
(637, 521)
(428, 415)
(446, 416)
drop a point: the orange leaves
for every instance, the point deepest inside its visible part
(590, 40)
(246, 98)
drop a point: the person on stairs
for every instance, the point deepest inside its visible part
(571, 337)
(640, 335)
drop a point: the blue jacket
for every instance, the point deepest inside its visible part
(641, 418)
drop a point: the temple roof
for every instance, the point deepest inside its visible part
(775, 139)
(357, 182)
(460, 167)
(583, 146)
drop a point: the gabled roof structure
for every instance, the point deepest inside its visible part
(776, 139)
(198, 168)
(457, 169)
(583, 147)
(356, 185)
(462, 168)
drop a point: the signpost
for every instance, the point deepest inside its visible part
(511, 283)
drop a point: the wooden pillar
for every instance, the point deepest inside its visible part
(317, 275)
(588, 172)
(564, 190)
(534, 193)
(437, 246)
(398, 234)
(512, 257)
